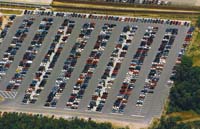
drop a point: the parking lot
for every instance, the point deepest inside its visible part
(99, 66)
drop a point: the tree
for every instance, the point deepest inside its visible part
(198, 22)
(184, 96)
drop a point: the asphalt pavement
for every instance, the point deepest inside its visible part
(79, 66)
(20, 53)
(8, 38)
(153, 104)
(39, 57)
(58, 67)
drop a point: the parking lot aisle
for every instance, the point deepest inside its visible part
(38, 59)
(79, 65)
(131, 108)
(20, 53)
(155, 107)
(143, 110)
(7, 40)
(124, 69)
(101, 67)
(69, 114)
(58, 66)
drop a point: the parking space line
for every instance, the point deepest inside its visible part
(9, 94)
(1, 94)
(137, 116)
(119, 114)
(49, 107)
(92, 111)
(6, 95)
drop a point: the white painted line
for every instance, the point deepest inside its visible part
(93, 111)
(137, 116)
(9, 94)
(6, 95)
(2, 95)
(13, 94)
(69, 109)
(49, 107)
(116, 113)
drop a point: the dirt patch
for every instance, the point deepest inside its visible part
(183, 2)
(198, 3)
(119, 124)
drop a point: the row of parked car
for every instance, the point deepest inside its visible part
(69, 64)
(148, 2)
(139, 19)
(16, 43)
(30, 54)
(111, 17)
(48, 62)
(187, 41)
(91, 64)
(158, 64)
(107, 79)
(135, 66)
(6, 28)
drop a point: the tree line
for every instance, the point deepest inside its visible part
(25, 121)
(185, 95)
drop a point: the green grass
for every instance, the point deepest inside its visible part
(194, 48)
(7, 11)
(17, 7)
(186, 117)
